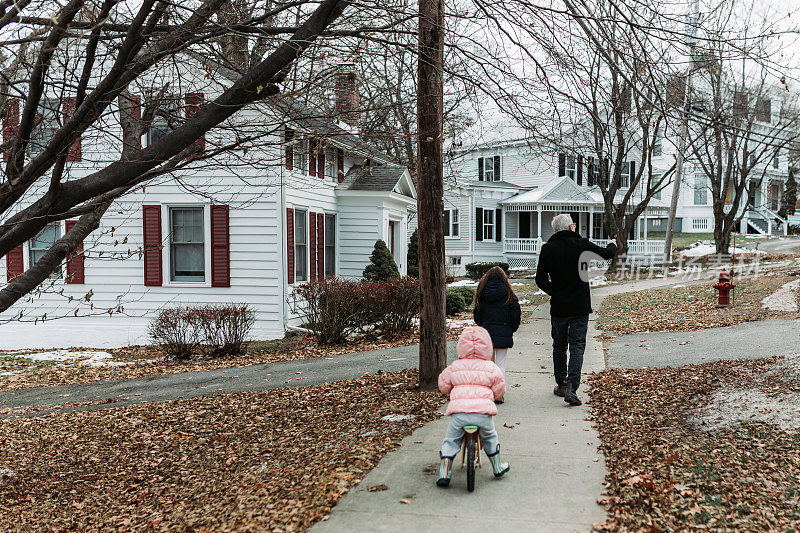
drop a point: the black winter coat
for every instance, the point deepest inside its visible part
(559, 272)
(499, 319)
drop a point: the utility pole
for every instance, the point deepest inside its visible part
(430, 202)
(684, 133)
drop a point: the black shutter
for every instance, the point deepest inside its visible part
(590, 170)
(498, 225)
(446, 223)
(580, 170)
(497, 175)
(479, 223)
(562, 165)
(632, 173)
(607, 163)
(480, 169)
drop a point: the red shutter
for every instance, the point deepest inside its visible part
(10, 123)
(290, 245)
(321, 245)
(321, 161)
(68, 109)
(312, 245)
(312, 157)
(288, 149)
(151, 225)
(194, 101)
(75, 260)
(135, 110)
(340, 164)
(15, 264)
(220, 246)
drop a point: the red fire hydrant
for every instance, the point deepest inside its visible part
(724, 288)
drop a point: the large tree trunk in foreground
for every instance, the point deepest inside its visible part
(430, 105)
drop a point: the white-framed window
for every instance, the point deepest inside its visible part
(330, 245)
(451, 223)
(42, 242)
(48, 123)
(776, 161)
(187, 247)
(489, 168)
(571, 167)
(454, 260)
(299, 153)
(488, 224)
(658, 144)
(625, 175)
(300, 245)
(700, 188)
(699, 224)
(165, 119)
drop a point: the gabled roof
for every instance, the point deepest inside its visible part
(561, 191)
(380, 178)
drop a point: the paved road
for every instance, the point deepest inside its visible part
(224, 380)
(751, 340)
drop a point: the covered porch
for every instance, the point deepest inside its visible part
(527, 220)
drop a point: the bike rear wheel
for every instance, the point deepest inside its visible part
(471, 446)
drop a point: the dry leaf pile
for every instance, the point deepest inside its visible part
(19, 373)
(688, 308)
(665, 475)
(275, 460)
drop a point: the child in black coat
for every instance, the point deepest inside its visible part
(497, 310)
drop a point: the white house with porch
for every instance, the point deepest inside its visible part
(500, 200)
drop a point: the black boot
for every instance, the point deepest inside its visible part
(570, 397)
(560, 390)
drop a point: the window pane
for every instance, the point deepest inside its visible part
(330, 245)
(446, 217)
(187, 244)
(300, 253)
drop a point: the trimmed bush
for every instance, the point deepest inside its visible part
(476, 271)
(395, 303)
(454, 303)
(468, 293)
(225, 328)
(412, 258)
(177, 330)
(332, 309)
(382, 265)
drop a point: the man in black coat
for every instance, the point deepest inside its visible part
(562, 273)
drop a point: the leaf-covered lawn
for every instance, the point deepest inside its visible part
(688, 308)
(665, 475)
(274, 460)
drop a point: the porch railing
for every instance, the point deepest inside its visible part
(532, 246)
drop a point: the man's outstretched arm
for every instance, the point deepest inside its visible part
(606, 253)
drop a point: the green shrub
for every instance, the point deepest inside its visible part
(412, 258)
(382, 266)
(454, 303)
(477, 270)
(468, 293)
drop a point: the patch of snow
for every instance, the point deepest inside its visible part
(6, 472)
(368, 433)
(87, 357)
(518, 268)
(10, 373)
(463, 283)
(524, 302)
(517, 284)
(784, 299)
(263, 467)
(598, 281)
(397, 418)
(458, 323)
(728, 408)
(701, 249)
(540, 291)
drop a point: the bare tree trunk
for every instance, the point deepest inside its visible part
(430, 203)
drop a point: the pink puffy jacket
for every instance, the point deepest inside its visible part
(473, 381)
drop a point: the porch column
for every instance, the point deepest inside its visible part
(591, 223)
(539, 220)
(645, 227)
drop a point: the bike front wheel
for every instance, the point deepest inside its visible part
(471, 446)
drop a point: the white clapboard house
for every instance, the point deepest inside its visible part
(303, 199)
(501, 197)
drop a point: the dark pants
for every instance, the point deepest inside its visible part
(569, 332)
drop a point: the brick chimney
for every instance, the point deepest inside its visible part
(346, 89)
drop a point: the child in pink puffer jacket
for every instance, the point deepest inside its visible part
(473, 383)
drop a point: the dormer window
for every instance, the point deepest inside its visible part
(489, 168)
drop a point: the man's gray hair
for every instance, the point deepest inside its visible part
(562, 222)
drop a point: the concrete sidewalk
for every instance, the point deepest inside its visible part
(556, 475)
